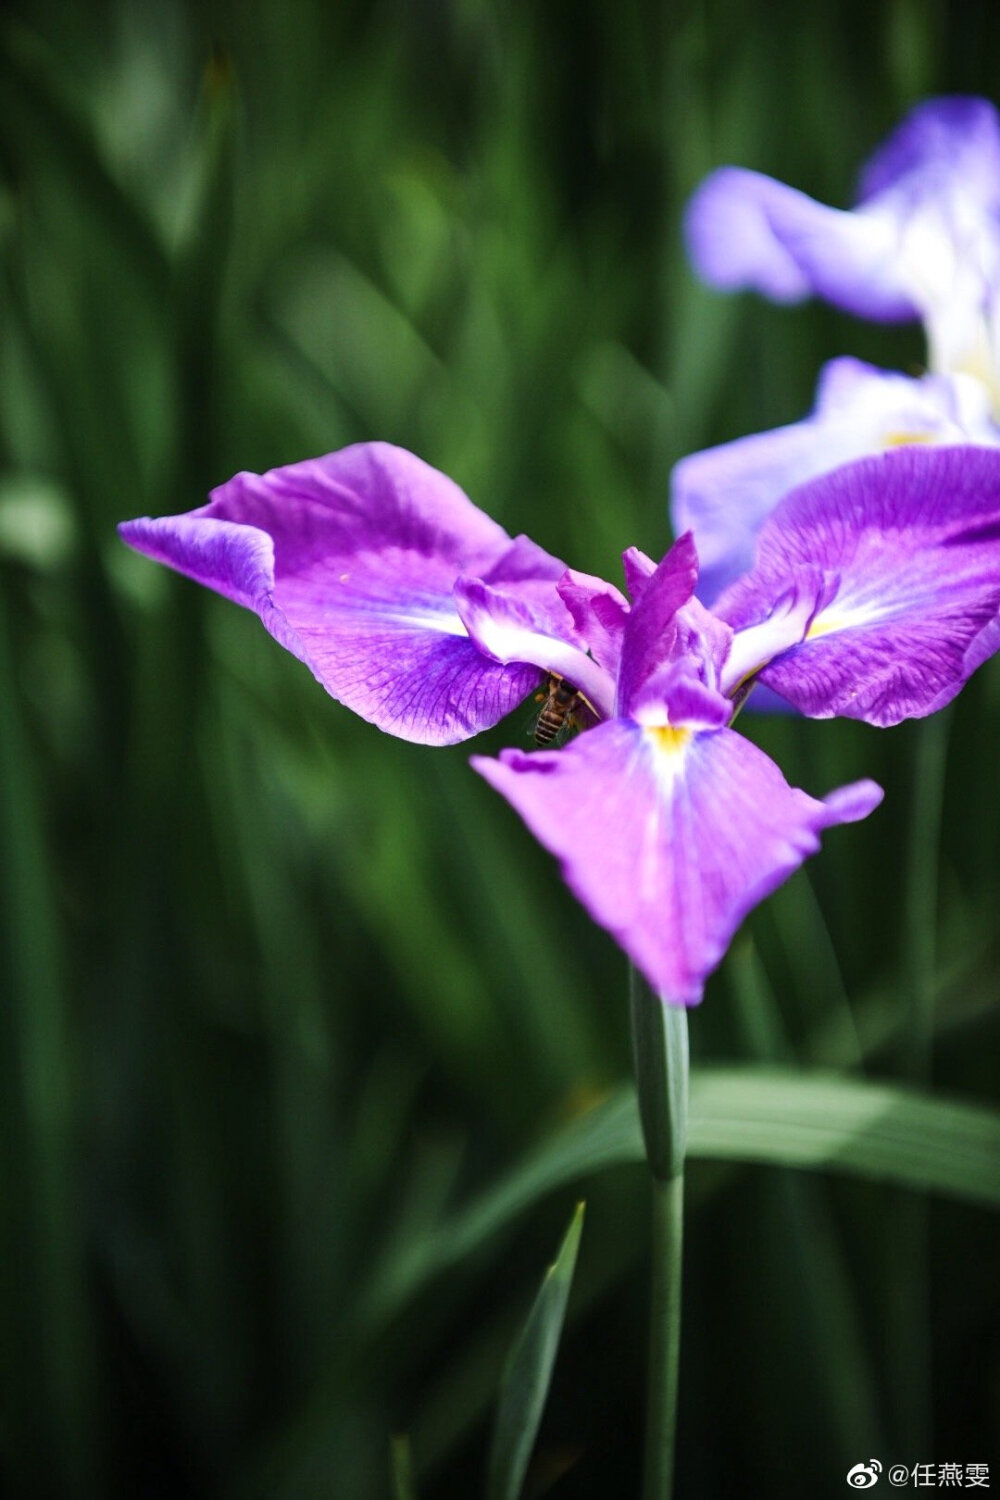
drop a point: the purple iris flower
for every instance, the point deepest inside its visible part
(923, 240)
(725, 494)
(875, 593)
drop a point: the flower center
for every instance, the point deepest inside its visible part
(667, 738)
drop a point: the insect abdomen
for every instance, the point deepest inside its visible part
(558, 706)
(550, 721)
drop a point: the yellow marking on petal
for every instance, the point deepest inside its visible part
(903, 439)
(846, 618)
(823, 625)
(666, 738)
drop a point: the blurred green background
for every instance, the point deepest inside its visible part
(278, 991)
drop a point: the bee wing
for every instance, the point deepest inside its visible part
(583, 716)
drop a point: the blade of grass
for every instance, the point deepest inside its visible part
(466, 1389)
(401, 1468)
(526, 1379)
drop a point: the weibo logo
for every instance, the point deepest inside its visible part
(863, 1476)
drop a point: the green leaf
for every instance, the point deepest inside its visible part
(526, 1379)
(766, 1115)
(882, 1131)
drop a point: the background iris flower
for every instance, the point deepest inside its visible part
(875, 594)
(923, 240)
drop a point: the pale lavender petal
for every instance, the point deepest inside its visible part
(955, 138)
(725, 494)
(924, 240)
(651, 632)
(669, 838)
(938, 176)
(505, 627)
(745, 230)
(904, 409)
(350, 561)
(909, 545)
(730, 240)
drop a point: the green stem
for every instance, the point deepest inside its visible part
(664, 1337)
(660, 1058)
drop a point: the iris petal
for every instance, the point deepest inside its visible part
(745, 230)
(669, 837)
(599, 613)
(909, 545)
(923, 241)
(350, 561)
(506, 628)
(954, 139)
(651, 632)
